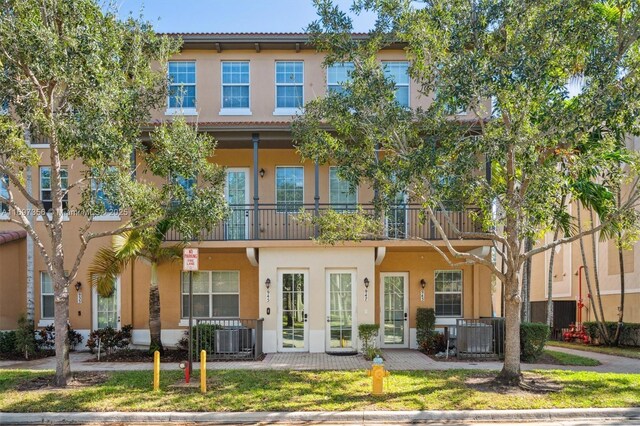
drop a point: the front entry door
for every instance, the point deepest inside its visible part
(106, 310)
(294, 328)
(394, 303)
(237, 193)
(340, 311)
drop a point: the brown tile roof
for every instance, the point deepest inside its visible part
(8, 236)
(248, 34)
(231, 123)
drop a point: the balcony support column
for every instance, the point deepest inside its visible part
(316, 196)
(256, 198)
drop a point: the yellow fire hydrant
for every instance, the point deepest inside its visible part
(377, 373)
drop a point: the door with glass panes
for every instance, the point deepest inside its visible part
(394, 309)
(237, 194)
(106, 310)
(293, 324)
(340, 332)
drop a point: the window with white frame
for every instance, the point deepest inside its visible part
(188, 184)
(45, 187)
(235, 85)
(4, 193)
(398, 72)
(337, 75)
(182, 85)
(340, 191)
(215, 294)
(289, 85)
(448, 293)
(98, 193)
(289, 188)
(46, 296)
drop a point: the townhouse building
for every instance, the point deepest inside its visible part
(261, 263)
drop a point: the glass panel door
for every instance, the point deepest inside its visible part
(340, 311)
(293, 321)
(107, 309)
(237, 189)
(395, 326)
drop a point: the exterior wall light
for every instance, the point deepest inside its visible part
(366, 289)
(261, 172)
(423, 284)
(78, 286)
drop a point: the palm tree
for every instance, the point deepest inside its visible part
(146, 245)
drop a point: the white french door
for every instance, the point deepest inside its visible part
(293, 326)
(106, 310)
(394, 303)
(341, 303)
(237, 195)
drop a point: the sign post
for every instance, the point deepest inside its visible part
(190, 263)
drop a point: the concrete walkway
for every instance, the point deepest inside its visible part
(395, 359)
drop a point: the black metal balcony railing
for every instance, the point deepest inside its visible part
(278, 222)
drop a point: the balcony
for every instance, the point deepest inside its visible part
(278, 222)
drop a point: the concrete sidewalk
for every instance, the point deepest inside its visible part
(597, 415)
(395, 359)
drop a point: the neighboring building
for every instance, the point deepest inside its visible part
(244, 89)
(569, 284)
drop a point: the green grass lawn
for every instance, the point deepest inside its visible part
(626, 351)
(243, 390)
(568, 359)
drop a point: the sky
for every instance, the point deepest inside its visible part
(231, 15)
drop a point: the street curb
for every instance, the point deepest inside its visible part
(324, 416)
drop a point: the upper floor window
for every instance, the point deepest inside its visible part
(182, 85)
(4, 107)
(4, 192)
(398, 72)
(235, 87)
(340, 191)
(46, 296)
(448, 293)
(289, 188)
(111, 209)
(289, 86)
(337, 75)
(187, 183)
(45, 187)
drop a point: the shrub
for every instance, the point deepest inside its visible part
(533, 336)
(630, 334)
(367, 334)
(45, 338)
(109, 339)
(207, 339)
(425, 323)
(7, 342)
(25, 337)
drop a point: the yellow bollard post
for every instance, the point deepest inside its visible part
(156, 371)
(203, 371)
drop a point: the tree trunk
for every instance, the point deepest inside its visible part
(616, 339)
(61, 324)
(587, 277)
(155, 326)
(511, 373)
(31, 306)
(526, 283)
(596, 278)
(552, 255)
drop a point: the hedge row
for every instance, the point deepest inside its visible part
(630, 335)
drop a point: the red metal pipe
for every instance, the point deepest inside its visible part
(186, 373)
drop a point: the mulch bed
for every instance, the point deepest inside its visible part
(78, 380)
(19, 357)
(138, 355)
(530, 384)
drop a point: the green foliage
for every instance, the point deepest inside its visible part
(533, 336)
(25, 340)
(630, 333)
(45, 337)
(368, 333)
(7, 342)
(426, 328)
(109, 339)
(336, 226)
(205, 334)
